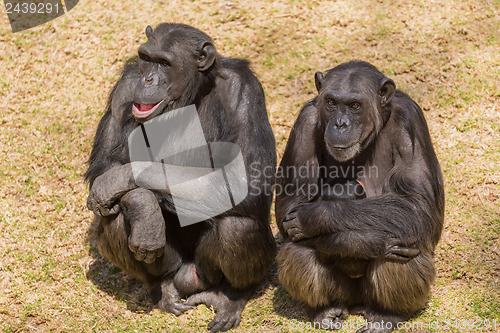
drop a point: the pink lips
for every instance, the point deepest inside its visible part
(144, 110)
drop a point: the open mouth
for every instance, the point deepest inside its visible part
(144, 110)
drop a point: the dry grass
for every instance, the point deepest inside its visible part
(54, 81)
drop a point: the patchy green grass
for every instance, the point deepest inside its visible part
(54, 81)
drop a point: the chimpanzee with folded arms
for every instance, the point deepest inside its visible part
(361, 225)
(218, 261)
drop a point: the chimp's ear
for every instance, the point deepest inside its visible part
(386, 91)
(318, 80)
(206, 56)
(149, 32)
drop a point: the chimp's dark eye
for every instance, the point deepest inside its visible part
(355, 105)
(331, 102)
(165, 63)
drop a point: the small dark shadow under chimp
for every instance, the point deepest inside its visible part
(284, 305)
(110, 279)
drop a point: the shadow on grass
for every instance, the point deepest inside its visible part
(283, 304)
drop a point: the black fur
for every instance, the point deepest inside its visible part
(224, 257)
(374, 250)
